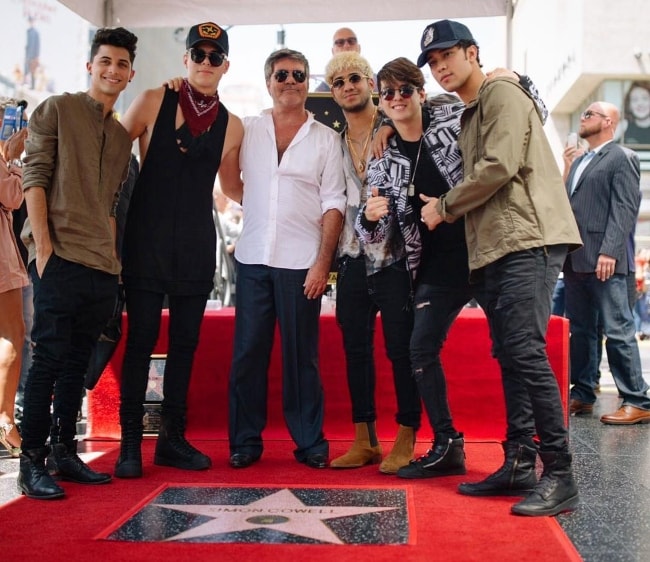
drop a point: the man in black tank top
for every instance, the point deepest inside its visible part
(169, 247)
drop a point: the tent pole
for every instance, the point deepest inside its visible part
(510, 10)
(108, 13)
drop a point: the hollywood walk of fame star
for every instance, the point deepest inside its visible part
(281, 511)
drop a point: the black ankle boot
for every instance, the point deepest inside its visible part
(515, 478)
(445, 458)
(33, 479)
(65, 464)
(556, 490)
(129, 463)
(172, 449)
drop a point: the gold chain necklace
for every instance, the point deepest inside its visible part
(360, 161)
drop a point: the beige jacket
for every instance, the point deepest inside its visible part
(512, 194)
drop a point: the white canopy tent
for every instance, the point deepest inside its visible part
(164, 13)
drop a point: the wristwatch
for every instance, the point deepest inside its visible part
(15, 165)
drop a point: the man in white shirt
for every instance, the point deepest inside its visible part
(293, 202)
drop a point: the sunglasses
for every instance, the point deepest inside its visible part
(348, 40)
(215, 58)
(589, 114)
(405, 92)
(298, 75)
(353, 79)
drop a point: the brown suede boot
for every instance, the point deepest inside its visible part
(402, 452)
(365, 449)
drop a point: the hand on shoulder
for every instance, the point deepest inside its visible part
(502, 73)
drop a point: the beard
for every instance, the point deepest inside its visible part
(357, 107)
(586, 131)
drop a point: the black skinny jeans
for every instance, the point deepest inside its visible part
(358, 299)
(72, 304)
(144, 311)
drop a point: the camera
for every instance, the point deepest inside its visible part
(13, 120)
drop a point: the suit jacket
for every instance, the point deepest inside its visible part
(606, 204)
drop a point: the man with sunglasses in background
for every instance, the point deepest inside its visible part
(371, 278)
(293, 195)
(604, 190)
(519, 227)
(344, 41)
(185, 138)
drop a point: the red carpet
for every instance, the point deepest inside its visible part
(474, 382)
(445, 525)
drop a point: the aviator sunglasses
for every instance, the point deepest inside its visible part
(405, 91)
(590, 113)
(353, 79)
(215, 58)
(298, 75)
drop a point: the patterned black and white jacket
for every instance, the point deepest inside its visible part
(392, 172)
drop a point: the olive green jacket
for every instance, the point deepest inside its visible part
(512, 194)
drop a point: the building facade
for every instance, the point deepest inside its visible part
(579, 51)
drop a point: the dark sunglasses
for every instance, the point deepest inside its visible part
(349, 40)
(405, 91)
(215, 58)
(298, 75)
(353, 79)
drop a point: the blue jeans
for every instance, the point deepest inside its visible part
(185, 316)
(358, 299)
(589, 300)
(72, 304)
(516, 293)
(266, 295)
(436, 308)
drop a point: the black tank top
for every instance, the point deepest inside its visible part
(169, 240)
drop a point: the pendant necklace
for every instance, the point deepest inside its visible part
(411, 187)
(360, 161)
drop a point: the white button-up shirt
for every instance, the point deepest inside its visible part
(284, 202)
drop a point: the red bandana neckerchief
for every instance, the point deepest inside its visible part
(199, 110)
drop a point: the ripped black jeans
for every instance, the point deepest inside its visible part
(434, 310)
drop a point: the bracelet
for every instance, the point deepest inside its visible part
(16, 162)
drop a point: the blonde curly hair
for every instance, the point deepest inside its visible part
(347, 61)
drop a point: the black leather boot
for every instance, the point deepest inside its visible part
(516, 477)
(65, 464)
(445, 458)
(129, 463)
(33, 479)
(556, 490)
(172, 449)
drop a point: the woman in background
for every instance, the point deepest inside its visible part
(13, 278)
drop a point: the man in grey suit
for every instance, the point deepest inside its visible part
(604, 190)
